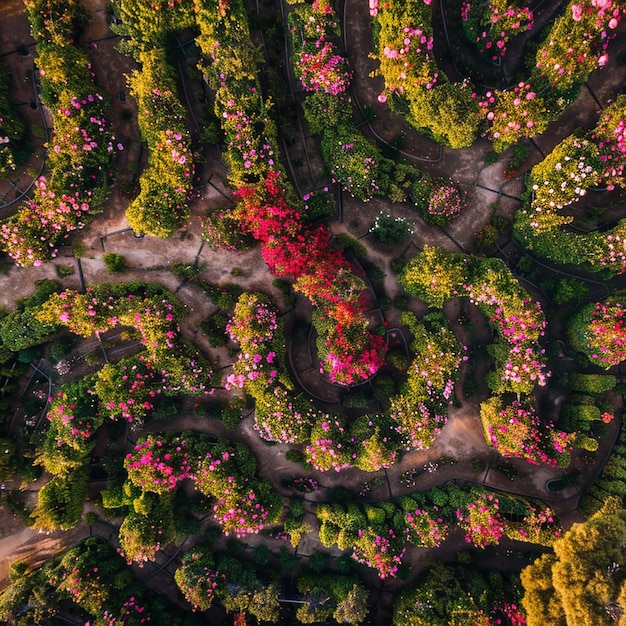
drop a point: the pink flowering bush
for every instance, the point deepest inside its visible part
(381, 552)
(330, 447)
(243, 504)
(481, 521)
(599, 331)
(516, 431)
(161, 207)
(435, 276)
(405, 45)
(73, 418)
(607, 332)
(513, 114)
(317, 64)
(198, 579)
(426, 529)
(421, 409)
(259, 370)
(159, 464)
(368, 533)
(92, 576)
(579, 163)
(79, 152)
(405, 41)
(323, 70)
(352, 160)
(490, 24)
(609, 135)
(153, 314)
(148, 526)
(129, 389)
(577, 43)
(445, 202)
(539, 526)
(250, 135)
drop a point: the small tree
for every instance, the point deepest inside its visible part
(390, 230)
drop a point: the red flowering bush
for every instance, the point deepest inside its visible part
(349, 352)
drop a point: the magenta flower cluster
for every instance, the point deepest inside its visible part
(482, 522)
(158, 466)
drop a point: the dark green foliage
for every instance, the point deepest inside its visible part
(319, 205)
(454, 595)
(285, 287)
(318, 561)
(60, 502)
(591, 383)
(114, 262)
(90, 576)
(352, 245)
(295, 456)
(578, 417)
(384, 388)
(224, 296)
(331, 596)
(390, 230)
(21, 329)
(231, 414)
(12, 127)
(215, 329)
(61, 347)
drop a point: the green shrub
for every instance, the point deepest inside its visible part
(114, 262)
(295, 456)
(63, 271)
(586, 443)
(215, 329)
(384, 388)
(319, 205)
(350, 244)
(591, 383)
(578, 417)
(390, 230)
